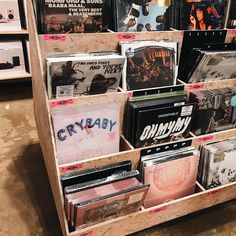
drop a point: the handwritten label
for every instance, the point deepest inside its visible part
(130, 94)
(127, 36)
(205, 138)
(193, 87)
(88, 233)
(54, 37)
(154, 211)
(233, 31)
(70, 168)
(61, 102)
(213, 192)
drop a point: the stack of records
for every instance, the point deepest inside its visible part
(83, 74)
(232, 15)
(215, 110)
(149, 64)
(141, 15)
(158, 118)
(210, 65)
(171, 175)
(85, 132)
(100, 194)
(217, 163)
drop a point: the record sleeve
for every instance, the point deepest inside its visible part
(83, 74)
(77, 177)
(170, 180)
(203, 15)
(63, 17)
(110, 207)
(160, 125)
(149, 64)
(82, 133)
(141, 15)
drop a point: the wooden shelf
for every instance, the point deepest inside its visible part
(15, 75)
(15, 32)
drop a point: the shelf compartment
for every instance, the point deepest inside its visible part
(15, 75)
(14, 32)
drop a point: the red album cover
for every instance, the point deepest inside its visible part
(170, 180)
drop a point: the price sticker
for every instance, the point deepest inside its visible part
(127, 36)
(193, 87)
(213, 192)
(65, 169)
(154, 211)
(130, 94)
(54, 37)
(205, 139)
(61, 103)
(88, 233)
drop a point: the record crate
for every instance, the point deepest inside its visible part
(43, 45)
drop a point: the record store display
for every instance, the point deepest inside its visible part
(217, 163)
(83, 74)
(215, 110)
(171, 175)
(149, 64)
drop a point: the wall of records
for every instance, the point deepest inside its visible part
(138, 111)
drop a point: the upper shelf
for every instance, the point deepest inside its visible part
(15, 32)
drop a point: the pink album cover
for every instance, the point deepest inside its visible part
(119, 204)
(85, 132)
(170, 180)
(92, 193)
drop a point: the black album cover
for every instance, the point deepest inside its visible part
(149, 64)
(203, 15)
(214, 110)
(232, 15)
(156, 126)
(141, 15)
(66, 16)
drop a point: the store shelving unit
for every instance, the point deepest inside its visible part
(41, 46)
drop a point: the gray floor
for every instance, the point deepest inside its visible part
(26, 203)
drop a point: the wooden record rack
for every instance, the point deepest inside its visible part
(43, 45)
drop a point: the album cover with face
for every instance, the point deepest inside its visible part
(11, 57)
(149, 64)
(170, 180)
(141, 15)
(160, 125)
(203, 15)
(65, 17)
(9, 15)
(83, 75)
(82, 133)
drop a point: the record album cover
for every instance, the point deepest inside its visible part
(86, 132)
(63, 16)
(170, 180)
(141, 15)
(83, 75)
(203, 15)
(149, 64)
(9, 15)
(160, 125)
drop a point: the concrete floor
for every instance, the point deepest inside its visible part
(26, 203)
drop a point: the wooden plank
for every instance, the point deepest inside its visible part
(93, 42)
(14, 32)
(43, 120)
(14, 75)
(149, 217)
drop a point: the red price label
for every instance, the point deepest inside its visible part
(233, 31)
(213, 192)
(70, 168)
(154, 211)
(61, 102)
(195, 87)
(88, 233)
(127, 36)
(205, 138)
(54, 37)
(130, 94)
